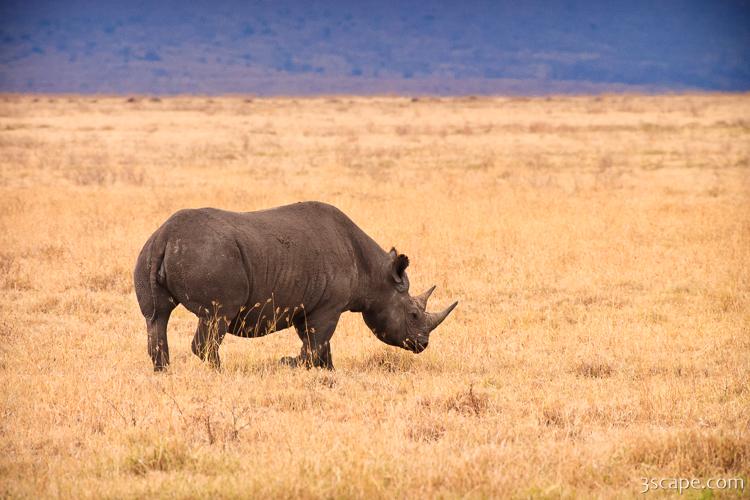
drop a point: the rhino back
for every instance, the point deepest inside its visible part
(306, 253)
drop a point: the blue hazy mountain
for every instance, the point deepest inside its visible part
(456, 47)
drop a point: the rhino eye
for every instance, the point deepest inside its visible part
(413, 315)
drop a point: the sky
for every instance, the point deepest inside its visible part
(367, 47)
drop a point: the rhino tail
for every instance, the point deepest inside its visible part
(156, 274)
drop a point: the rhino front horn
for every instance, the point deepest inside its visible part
(437, 318)
(422, 299)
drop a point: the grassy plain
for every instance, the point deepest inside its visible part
(599, 248)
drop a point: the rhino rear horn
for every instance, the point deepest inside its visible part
(434, 319)
(422, 299)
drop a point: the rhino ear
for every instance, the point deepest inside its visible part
(399, 263)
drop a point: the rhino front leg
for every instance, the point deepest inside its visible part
(316, 335)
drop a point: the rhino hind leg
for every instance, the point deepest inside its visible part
(158, 348)
(156, 325)
(207, 339)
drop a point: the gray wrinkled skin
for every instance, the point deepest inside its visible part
(250, 274)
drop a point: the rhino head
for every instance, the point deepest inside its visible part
(394, 316)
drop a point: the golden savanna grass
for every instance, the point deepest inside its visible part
(599, 248)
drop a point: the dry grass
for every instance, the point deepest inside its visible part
(600, 249)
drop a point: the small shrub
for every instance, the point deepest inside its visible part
(162, 455)
(695, 452)
(429, 431)
(594, 369)
(468, 402)
(387, 360)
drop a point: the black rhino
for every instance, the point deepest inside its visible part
(252, 273)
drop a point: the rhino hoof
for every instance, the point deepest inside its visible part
(289, 361)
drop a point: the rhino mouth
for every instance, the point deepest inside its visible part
(416, 346)
(419, 347)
